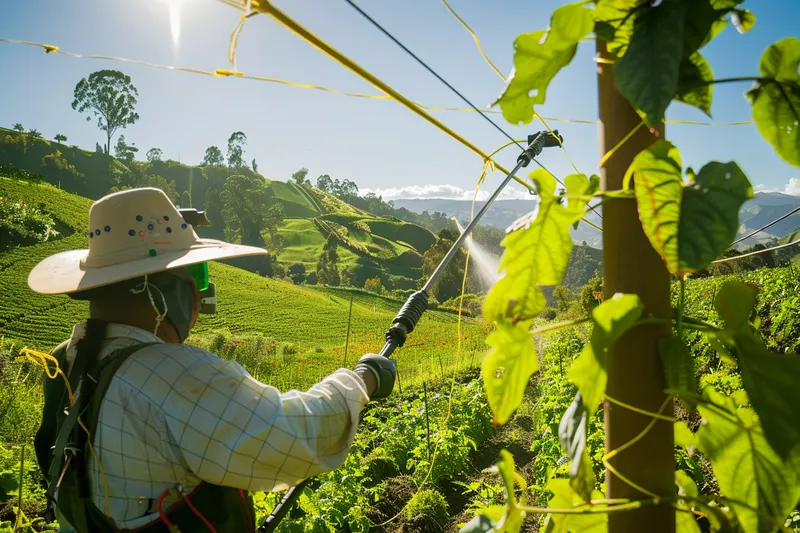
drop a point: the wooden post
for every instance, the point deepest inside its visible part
(349, 319)
(635, 375)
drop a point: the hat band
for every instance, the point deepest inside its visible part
(95, 260)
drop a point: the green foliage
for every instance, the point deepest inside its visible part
(154, 154)
(213, 157)
(236, 143)
(611, 319)
(23, 225)
(429, 504)
(733, 440)
(374, 285)
(678, 368)
(60, 138)
(591, 293)
(124, 151)
(647, 75)
(328, 264)
(676, 217)
(507, 368)
(536, 251)
(111, 97)
(695, 85)
(776, 99)
(297, 272)
(538, 57)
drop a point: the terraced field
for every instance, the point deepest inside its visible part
(313, 318)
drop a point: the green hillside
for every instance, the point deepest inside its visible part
(313, 318)
(370, 246)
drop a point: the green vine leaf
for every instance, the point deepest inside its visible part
(776, 101)
(647, 75)
(572, 431)
(694, 83)
(678, 368)
(761, 487)
(508, 367)
(611, 320)
(684, 436)
(565, 497)
(689, 225)
(705, 19)
(743, 20)
(537, 250)
(769, 379)
(614, 22)
(685, 523)
(538, 56)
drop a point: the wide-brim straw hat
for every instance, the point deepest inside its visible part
(131, 233)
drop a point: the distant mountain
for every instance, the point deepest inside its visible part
(764, 208)
(501, 214)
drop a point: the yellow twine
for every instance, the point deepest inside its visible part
(49, 48)
(617, 146)
(474, 38)
(610, 455)
(41, 359)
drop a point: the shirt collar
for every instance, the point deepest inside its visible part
(115, 331)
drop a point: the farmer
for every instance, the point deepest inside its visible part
(164, 436)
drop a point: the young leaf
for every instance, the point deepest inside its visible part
(572, 436)
(735, 302)
(688, 225)
(678, 368)
(694, 82)
(684, 436)
(507, 368)
(611, 319)
(762, 488)
(538, 57)
(686, 485)
(776, 101)
(537, 250)
(647, 75)
(565, 497)
(481, 523)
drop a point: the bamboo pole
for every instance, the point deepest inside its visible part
(635, 375)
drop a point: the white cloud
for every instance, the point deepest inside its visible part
(759, 186)
(793, 187)
(449, 192)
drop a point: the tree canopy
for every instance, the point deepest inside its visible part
(110, 96)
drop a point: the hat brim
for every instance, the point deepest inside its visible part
(62, 273)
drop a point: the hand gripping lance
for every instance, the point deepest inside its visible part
(406, 320)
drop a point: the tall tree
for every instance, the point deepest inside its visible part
(325, 183)
(255, 165)
(449, 283)
(18, 127)
(328, 263)
(236, 143)
(124, 151)
(243, 206)
(154, 154)
(59, 138)
(111, 97)
(300, 178)
(35, 134)
(213, 157)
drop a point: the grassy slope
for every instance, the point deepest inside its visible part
(314, 318)
(393, 249)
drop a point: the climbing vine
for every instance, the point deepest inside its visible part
(751, 438)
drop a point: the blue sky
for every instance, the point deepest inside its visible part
(378, 144)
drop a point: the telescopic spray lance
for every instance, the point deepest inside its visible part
(406, 320)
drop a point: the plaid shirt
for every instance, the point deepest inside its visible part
(175, 413)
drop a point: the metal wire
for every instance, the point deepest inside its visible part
(456, 91)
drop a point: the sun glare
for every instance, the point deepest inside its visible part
(175, 20)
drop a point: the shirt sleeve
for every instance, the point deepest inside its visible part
(233, 430)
